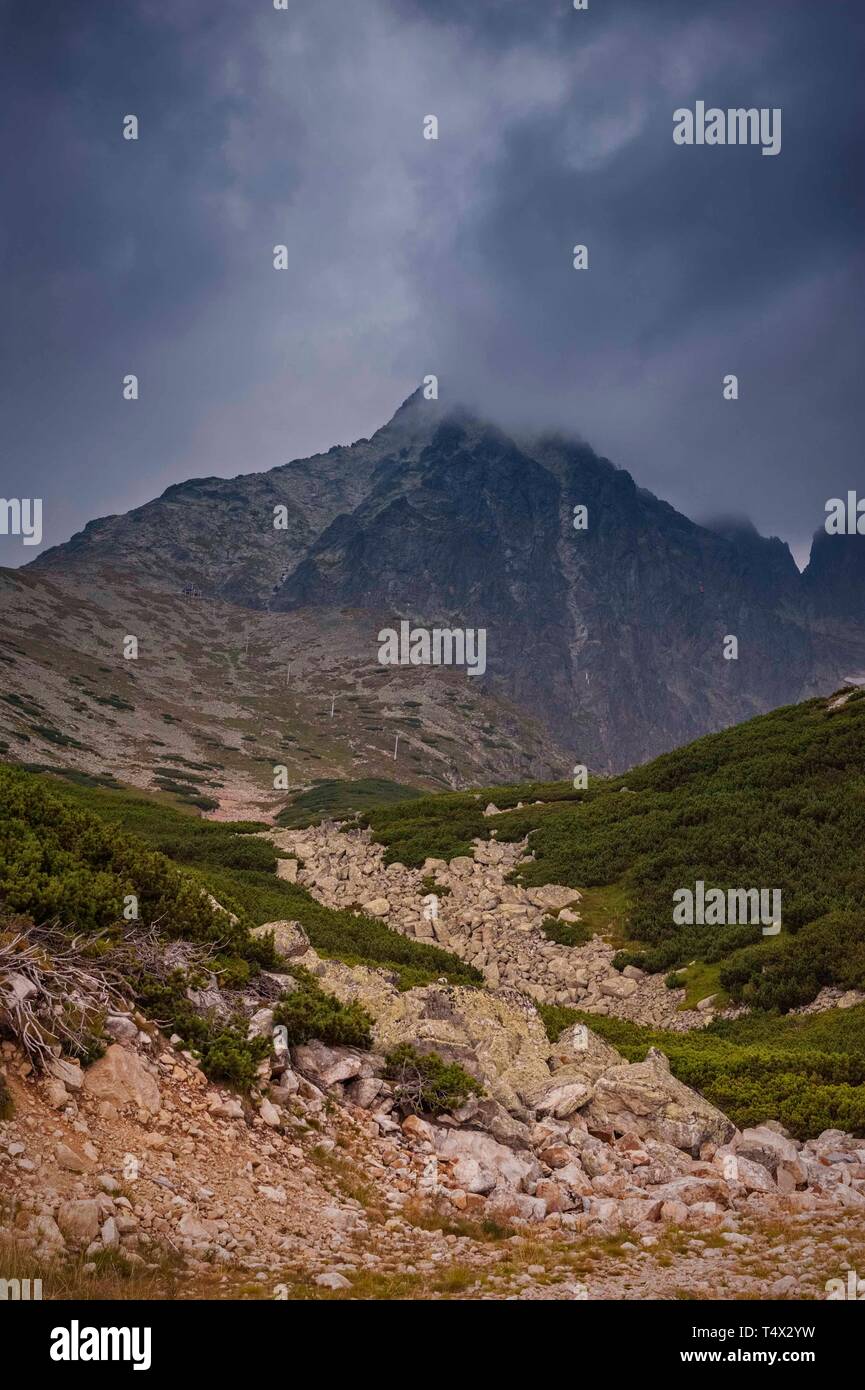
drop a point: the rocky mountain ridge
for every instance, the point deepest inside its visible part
(611, 636)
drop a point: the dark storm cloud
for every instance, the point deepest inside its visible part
(407, 256)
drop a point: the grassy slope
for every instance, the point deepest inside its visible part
(337, 800)
(778, 802)
(240, 870)
(71, 856)
(781, 795)
(806, 1071)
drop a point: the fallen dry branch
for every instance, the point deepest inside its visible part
(52, 987)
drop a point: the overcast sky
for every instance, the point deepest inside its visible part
(409, 256)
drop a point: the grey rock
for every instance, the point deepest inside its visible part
(326, 1066)
(121, 1028)
(79, 1220)
(645, 1099)
(66, 1071)
(289, 938)
(122, 1078)
(332, 1280)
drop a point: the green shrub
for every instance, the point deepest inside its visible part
(565, 933)
(309, 1012)
(424, 1083)
(429, 885)
(60, 862)
(431, 827)
(115, 701)
(807, 1071)
(62, 740)
(339, 799)
(440, 827)
(233, 972)
(227, 1055)
(225, 1052)
(790, 971)
(777, 802)
(556, 1018)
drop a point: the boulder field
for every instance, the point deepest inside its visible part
(572, 1173)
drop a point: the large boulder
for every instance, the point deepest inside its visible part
(767, 1147)
(471, 1176)
(289, 938)
(618, 987)
(471, 1147)
(326, 1066)
(497, 1037)
(66, 1071)
(645, 1099)
(78, 1156)
(261, 1024)
(562, 1097)
(487, 1115)
(734, 1167)
(377, 907)
(79, 1220)
(694, 1191)
(578, 1059)
(121, 1077)
(553, 895)
(196, 1229)
(580, 1053)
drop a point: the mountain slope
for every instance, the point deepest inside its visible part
(777, 803)
(605, 645)
(220, 698)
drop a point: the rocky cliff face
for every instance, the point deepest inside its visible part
(835, 577)
(612, 635)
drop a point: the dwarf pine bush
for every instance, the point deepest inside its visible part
(424, 1083)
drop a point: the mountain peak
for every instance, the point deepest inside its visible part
(732, 526)
(442, 517)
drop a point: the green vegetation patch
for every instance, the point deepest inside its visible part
(775, 803)
(425, 1084)
(808, 1071)
(440, 827)
(336, 799)
(61, 863)
(114, 701)
(565, 933)
(435, 827)
(52, 735)
(238, 867)
(309, 1012)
